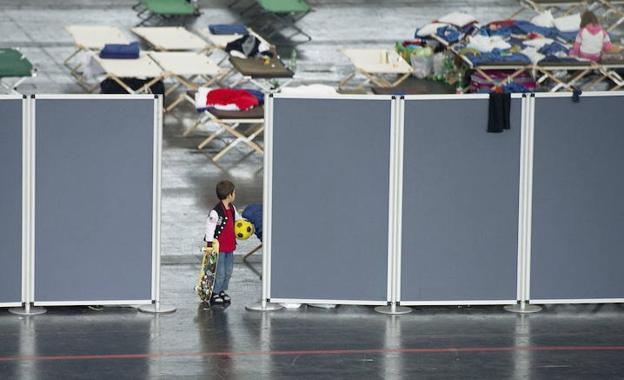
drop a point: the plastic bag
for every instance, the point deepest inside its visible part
(438, 64)
(422, 62)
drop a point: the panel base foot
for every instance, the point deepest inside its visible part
(28, 311)
(393, 310)
(522, 308)
(264, 307)
(157, 309)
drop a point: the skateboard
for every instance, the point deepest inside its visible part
(207, 273)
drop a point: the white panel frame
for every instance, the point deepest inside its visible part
(268, 199)
(519, 286)
(328, 301)
(156, 198)
(458, 303)
(533, 98)
(25, 199)
(576, 301)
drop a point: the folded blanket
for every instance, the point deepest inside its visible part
(231, 99)
(201, 97)
(227, 29)
(120, 51)
(487, 44)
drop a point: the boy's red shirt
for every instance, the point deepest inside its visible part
(227, 238)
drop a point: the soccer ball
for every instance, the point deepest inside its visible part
(243, 229)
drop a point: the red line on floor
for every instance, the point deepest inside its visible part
(157, 355)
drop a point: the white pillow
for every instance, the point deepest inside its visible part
(429, 29)
(544, 19)
(570, 23)
(457, 19)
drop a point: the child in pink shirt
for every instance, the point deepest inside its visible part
(592, 40)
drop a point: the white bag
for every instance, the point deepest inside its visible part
(422, 65)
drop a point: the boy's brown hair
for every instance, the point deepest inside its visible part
(224, 188)
(587, 18)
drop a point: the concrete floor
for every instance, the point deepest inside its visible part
(562, 342)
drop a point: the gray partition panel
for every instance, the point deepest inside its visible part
(578, 199)
(11, 200)
(460, 203)
(330, 191)
(94, 193)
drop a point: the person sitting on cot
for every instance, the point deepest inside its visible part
(592, 40)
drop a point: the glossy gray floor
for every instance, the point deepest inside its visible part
(563, 342)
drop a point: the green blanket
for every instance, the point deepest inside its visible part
(14, 64)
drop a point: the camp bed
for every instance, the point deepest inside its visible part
(285, 14)
(188, 69)
(612, 7)
(220, 41)
(376, 65)
(15, 68)
(144, 67)
(564, 7)
(154, 11)
(89, 39)
(604, 70)
(231, 123)
(415, 86)
(171, 38)
(270, 75)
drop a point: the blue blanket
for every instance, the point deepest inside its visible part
(120, 51)
(220, 29)
(253, 213)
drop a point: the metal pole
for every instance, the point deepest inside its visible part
(264, 305)
(156, 307)
(396, 145)
(28, 192)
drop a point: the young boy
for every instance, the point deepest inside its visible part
(220, 228)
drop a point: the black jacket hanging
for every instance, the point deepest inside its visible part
(498, 114)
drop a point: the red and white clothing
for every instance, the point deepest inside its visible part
(220, 226)
(590, 42)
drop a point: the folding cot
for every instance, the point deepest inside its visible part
(510, 69)
(143, 67)
(374, 64)
(265, 75)
(615, 7)
(153, 11)
(188, 69)
(88, 39)
(14, 65)
(566, 7)
(415, 86)
(285, 14)
(171, 38)
(605, 70)
(231, 122)
(220, 41)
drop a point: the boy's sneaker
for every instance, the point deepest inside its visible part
(216, 299)
(225, 297)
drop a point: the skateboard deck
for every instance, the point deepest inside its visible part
(207, 274)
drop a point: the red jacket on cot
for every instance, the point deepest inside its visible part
(225, 96)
